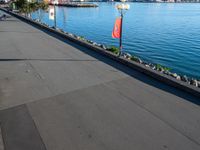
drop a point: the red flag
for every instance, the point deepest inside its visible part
(117, 28)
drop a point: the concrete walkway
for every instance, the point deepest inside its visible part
(55, 95)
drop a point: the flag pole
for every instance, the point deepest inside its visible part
(120, 39)
(55, 15)
(121, 8)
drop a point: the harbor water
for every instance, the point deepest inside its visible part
(163, 33)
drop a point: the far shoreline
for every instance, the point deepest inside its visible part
(136, 2)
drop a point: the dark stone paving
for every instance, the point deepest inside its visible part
(19, 131)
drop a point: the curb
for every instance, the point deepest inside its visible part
(131, 64)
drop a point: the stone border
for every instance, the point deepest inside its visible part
(139, 67)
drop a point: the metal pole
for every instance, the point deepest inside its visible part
(120, 39)
(28, 13)
(55, 16)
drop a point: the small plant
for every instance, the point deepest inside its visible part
(82, 38)
(133, 58)
(160, 67)
(113, 49)
(136, 59)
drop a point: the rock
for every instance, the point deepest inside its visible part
(140, 61)
(59, 29)
(147, 65)
(136, 59)
(184, 78)
(99, 45)
(126, 55)
(103, 46)
(170, 73)
(153, 67)
(178, 77)
(91, 42)
(166, 72)
(129, 55)
(160, 69)
(123, 55)
(194, 82)
(174, 75)
(95, 44)
(198, 82)
(74, 35)
(144, 63)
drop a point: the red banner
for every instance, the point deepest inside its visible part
(117, 28)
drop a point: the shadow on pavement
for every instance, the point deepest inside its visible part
(144, 78)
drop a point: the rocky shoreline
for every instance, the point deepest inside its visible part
(156, 67)
(77, 5)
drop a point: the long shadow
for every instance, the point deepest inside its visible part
(13, 31)
(9, 20)
(8, 59)
(140, 76)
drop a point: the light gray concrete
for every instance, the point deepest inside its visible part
(80, 100)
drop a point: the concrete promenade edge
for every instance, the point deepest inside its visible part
(56, 95)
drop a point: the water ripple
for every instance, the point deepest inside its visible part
(160, 33)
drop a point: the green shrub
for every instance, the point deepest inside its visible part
(113, 49)
(160, 67)
(82, 38)
(136, 59)
(133, 58)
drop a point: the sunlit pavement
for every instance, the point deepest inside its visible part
(55, 95)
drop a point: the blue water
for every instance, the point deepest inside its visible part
(168, 34)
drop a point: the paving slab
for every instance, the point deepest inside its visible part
(101, 118)
(175, 111)
(19, 131)
(20, 83)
